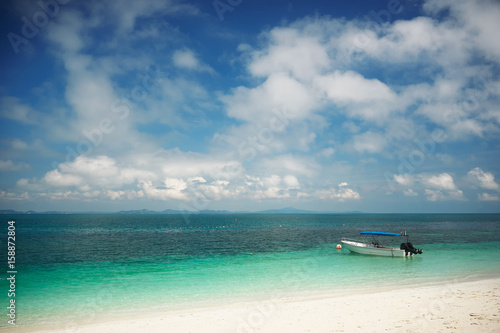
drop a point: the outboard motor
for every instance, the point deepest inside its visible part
(408, 247)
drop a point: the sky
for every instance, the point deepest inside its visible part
(374, 106)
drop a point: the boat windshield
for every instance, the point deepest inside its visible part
(379, 233)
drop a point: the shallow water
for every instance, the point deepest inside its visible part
(74, 267)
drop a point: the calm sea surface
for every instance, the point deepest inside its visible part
(86, 267)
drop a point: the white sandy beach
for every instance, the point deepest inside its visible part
(472, 306)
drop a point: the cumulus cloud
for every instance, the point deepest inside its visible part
(351, 87)
(410, 193)
(369, 99)
(11, 196)
(488, 197)
(172, 188)
(370, 142)
(290, 51)
(327, 152)
(180, 177)
(291, 182)
(278, 92)
(8, 165)
(68, 34)
(126, 13)
(14, 109)
(404, 179)
(485, 180)
(436, 187)
(187, 59)
(479, 18)
(314, 88)
(437, 195)
(303, 68)
(19, 144)
(56, 178)
(341, 192)
(442, 181)
(289, 164)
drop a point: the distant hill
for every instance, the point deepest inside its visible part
(11, 212)
(16, 212)
(286, 210)
(173, 211)
(291, 210)
(137, 211)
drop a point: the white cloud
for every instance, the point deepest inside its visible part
(8, 165)
(404, 179)
(485, 180)
(327, 152)
(488, 197)
(178, 164)
(171, 175)
(445, 158)
(331, 79)
(90, 95)
(288, 164)
(368, 142)
(68, 34)
(331, 76)
(68, 195)
(183, 177)
(437, 187)
(351, 87)
(217, 190)
(186, 59)
(406, 41)
(437, 195)
(89, 88)
(19, 144)
(100, 167)
(441, 181)
(11, 196)
(113, 86)
(342, 192)
(14, 109)
(123, 194)
(86, 173)
(291, 182)
(290, 51)
(127, 12)
(56, 178)
(345, 193)
(410, 193)
(173, 188)
(278, 92)
(479, 18)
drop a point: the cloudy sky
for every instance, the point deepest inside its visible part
(376, 106)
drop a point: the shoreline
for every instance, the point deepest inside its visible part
(465, 304)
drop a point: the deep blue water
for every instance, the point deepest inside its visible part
(75, 267)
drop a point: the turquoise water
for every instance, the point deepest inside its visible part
(78, 267)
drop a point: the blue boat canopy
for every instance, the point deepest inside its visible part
(379, 233)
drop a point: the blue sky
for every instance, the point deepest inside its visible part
(376, 106)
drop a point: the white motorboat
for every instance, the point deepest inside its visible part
(373, 246)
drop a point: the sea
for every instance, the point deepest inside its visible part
(88, 267)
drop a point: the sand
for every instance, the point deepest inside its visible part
(472, 306)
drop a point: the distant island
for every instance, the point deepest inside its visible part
(286, 210)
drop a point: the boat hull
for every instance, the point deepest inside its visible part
(370, 249)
